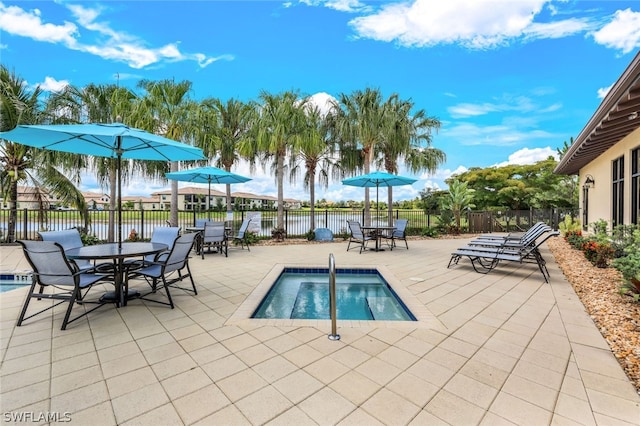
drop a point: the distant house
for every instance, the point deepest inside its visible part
(141, 203)
(30, 197)
(606, 155)
(190, 198)
(249, 201)
(96, 200)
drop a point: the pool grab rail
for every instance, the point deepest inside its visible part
(332, 297)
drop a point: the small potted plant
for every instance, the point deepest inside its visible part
(278, 234)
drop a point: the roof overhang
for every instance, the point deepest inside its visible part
(617, 116)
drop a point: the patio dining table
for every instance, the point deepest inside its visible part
(117, 253)
(378, 232)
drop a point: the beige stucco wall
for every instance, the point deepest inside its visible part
(600, 168)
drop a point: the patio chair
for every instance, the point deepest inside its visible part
(161, 234)
(242, 235)
(214, 235)
(527, 239)
(201, 222)
(484, 259)
(358, 236)
(167, 268)
(512, 235)
(400, 233)
(52, 270)
(68, 239)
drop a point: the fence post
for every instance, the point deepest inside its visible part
(25, 223)
(142, 224)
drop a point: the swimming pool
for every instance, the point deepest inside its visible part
(361, 294)
(11, 281)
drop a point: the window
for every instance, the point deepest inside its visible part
(617, 191)
(635, 186)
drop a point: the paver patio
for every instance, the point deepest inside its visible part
(502, 348)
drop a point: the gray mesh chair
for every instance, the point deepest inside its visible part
(400, 233)
(168, 269)
(242, 235)
(214, 235)
(68, 239)
(161, 234)
(358, 236)
(66, 282)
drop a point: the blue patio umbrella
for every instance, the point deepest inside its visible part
(207, 175)
(378, 179)
(115, 140)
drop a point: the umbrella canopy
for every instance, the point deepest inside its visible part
(207, 175)
(114, 140)
(378, 179)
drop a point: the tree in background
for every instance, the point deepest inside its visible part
(316, 154)
(167, 110)
(35, 167)
(277, 122)
(407, 138)
(96, 104)
(460, 199)
(223, 127)
(519, 187)
(358, 126)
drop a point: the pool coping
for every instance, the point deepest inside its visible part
(424, 318)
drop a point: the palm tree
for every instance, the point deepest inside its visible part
(167, 110)
(359, 125)
(316, 154)
(21, 163)
(407, 137)
(460, 198)
(276, 124)
(223, 130)
(97, 104)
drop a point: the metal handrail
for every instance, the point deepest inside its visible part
(332, 297)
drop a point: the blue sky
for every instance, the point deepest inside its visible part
(509, 80)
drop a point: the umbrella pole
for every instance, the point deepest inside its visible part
(209, 201)
(119, 200)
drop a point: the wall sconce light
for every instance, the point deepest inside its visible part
(589, 181)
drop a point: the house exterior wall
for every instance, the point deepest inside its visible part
(600, 195)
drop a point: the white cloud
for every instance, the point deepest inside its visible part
(17, 21)
(109, 43)
(339, 5)
(475, 24)
(622, 33)
(323, 101)
(557, 29)
(50, 84)
(602, 92)
(528, 156)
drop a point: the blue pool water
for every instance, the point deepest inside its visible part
(361, 294)
(13, 280)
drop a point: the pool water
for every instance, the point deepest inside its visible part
(361, 294)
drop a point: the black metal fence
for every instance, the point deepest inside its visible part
(297, 222)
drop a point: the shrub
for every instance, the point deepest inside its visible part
(310, 235)
(429, 232)
(629, 264)
(598, 253)
(569, 225)
(574, 238)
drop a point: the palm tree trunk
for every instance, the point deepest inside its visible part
(312, 196)
(113, 199)
(280, 183)
(173, 217)
(13, 212)
(390, 204)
